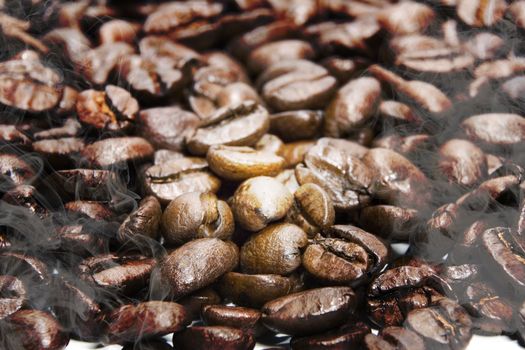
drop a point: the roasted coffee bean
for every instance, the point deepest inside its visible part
(350, 335)
(15, 171)
(443, 325)
(117, 30)
(394, 18)
(70, 128)
(241, 125)
(235, 317)
(25, 267)
(153, 344)
(259, 201)
(343, 176)
(12, 295)
(296, 125)
(390, 222)
(124, 274)
(33, 329)
(394, 338)
(130, 323)
(213, 338)
(60, 152)
(28, 197)
(255, 290)
(396, 180)
(354, 104)
(294, 152)
(97, 64)
(277, 51)
(196, 215)
(296, 85)
(145, 221)
(274, 250)
(170, 179)
(312, 210)
(113, 109)
(115, 151)
(198, 264)
(90, 209)
(507, 132)
(9, 134)
(517, 11)
(240, 163)
(197, 300)
(29, 85)
(479, 13)
(397, 291)
(462, 162)
(394, 112)
(312, 311)
(93, 184)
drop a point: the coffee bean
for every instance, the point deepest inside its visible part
(213, 338)
(517, 11)
(60, 152)
(481, 14)
(197, 300)
(394, 18)
(347, 336)
(90, 184)
(394, 338)
(462, 162)
(509, 131)
(296, 125)
(115, 151)
(70, 128)
(27, 196)
(311, 311)
(130, 323)
(117, 30)
(196, 215)
(268, 54)
(235, 317)
(259, 201)
(97, 64)
(354, 104)
(169, 180)
(390, 222)
(145, 220)
(9, 134)
(255, 290)
(294, 152)
(12, 295)
(274, 250)
(198, 264)
(241, 125)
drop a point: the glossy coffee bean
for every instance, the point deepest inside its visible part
(259, 201)
(130, 323)
(390, 222)
(114, 151)
(196, 301)
(296, 125)
(312, 311)
(462, 162)
(89, 184)
(213, 337)
(236, 317)
(15, 171)
(394, 338)
(507, 132)
(198, 264)
(274, 250)
(196, 215)
(350, 335)
(145, 220)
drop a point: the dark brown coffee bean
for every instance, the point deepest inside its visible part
(29, 85)
(9, 134)
(255, 290)
(344, 177)
(33, 329)
(394, 112)
(274, 250)
(12, 295)
(241, 125)
(115, 151)
(79, 240)
(71, 42)
(348, 336)
(60, 152)
(152, 344)
(113, 109)
(298, 87)
(91, 209)
(344, 69)
(296, 125)
(172, 15)
(97, 64)
(390, 222)
(131, 323)
(194, 302)
(240, 163)
(91, 184)
(394, 338)
(396, 180)
(117, 30)
(462, 162)
(425, 95)
(235, 317)
(196, 215)
(277, 51)
(213, 338)
(124, 274)
(480, 13)
(443, 326)
(169, 180)
(350, 147)
(313, 209)
(354, 104)
(70, 128)
(259, 201)
(27, 196)
(198, 264)
(294, 152)
(406, 18)
(507, 132)
(145, 221)
(308, 312)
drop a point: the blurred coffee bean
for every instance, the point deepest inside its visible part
(479, 13)
(485, 45)
(90, 184)
(196, 215)
(145, 221)
(130, 323)
(213, 338)
(312, 311)
(238, 163)
(28, 197)
(296, 125)
(394, 338)
(90, 209)
(70, 128)
(517, 11)
(198, 264)
(117, 151)
(170, 179)
(462, 162)
(390, 222)
(60, 153)
(117, 30)
(349, 335)
(274, 250)
(255, 290)
(508, 131)
(97, 64)
(406, 17)
(277, 51)
(12, 295)
(259, 201)
(9, 134)
(294, 152)
(194, 302)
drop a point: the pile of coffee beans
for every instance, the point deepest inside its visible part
(225, 173)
